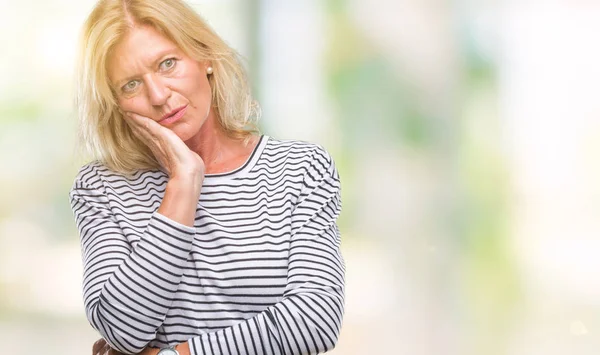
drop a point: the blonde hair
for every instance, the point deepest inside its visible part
(102, 129)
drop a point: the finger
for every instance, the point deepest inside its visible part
(137, 126)
(98, 345)
(162, 135)
(152, 131)
(138, 129)
(152, 142)
(136, 119)
(106, 350)
(141, 133)
(146, 124)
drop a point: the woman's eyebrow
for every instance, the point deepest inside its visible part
(158, 57)
(163, 53)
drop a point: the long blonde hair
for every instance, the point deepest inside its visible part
(102, 130)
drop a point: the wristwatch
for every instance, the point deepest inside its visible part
(168, 351)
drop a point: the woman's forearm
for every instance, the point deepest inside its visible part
(180, 200)
(128, 288)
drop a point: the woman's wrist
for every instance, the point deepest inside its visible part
(188, 176)
(186, 183)
(180, 200)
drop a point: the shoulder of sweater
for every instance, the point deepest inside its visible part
(315, 161)
(311, 151)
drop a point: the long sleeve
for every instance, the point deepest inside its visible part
(127, 290)
(308, 318)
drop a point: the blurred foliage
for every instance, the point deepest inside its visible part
(373, 102)
(376, 105)
(492, 287)
(19, 111)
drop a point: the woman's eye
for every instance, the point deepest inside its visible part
(167, 64)
(130, 86)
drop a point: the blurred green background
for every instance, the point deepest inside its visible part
(467, 135)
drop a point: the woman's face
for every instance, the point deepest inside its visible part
(152, 77)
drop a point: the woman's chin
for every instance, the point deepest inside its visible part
(183, 131)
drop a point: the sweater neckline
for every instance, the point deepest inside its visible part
(247, 166)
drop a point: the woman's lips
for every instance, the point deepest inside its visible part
(174, 117)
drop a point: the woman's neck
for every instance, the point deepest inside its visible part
(219, 152)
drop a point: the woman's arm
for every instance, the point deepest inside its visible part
(128, 290)
(308, 318)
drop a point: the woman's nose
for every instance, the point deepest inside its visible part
(158, 92)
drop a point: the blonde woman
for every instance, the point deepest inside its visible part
(199, 235)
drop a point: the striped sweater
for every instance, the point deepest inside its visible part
(259, 273)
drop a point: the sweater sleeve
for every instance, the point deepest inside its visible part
(308, 318)
(127, 289)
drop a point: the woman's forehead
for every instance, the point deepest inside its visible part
(140, 48)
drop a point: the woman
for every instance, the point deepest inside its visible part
(199, 236)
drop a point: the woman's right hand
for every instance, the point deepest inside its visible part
(184, 167)
(101, 347)
(171, 152)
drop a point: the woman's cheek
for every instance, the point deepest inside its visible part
(123, 105)
(131, 105)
